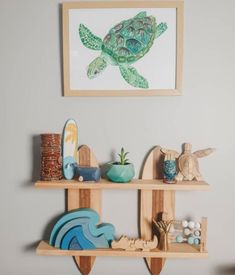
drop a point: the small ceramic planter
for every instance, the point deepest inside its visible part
(121, 173)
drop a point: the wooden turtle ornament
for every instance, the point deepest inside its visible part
(188, 163)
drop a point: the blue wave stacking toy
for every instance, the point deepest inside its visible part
(78, 230)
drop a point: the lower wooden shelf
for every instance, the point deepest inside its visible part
(175, 251)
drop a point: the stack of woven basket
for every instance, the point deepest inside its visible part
(51, 167)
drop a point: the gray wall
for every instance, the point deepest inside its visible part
(32, 103)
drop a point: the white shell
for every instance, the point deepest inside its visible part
(187, 231)
(197, 225)
(191, 224)
(190, 240)
(196, 241)
(197, 233)
(179, 239)
(184, 223)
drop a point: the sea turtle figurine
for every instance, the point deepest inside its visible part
(125, 43)
(188, 163)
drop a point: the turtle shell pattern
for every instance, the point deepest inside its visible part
(130, 40)
(188, 165)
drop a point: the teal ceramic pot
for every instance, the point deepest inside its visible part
(121, 173)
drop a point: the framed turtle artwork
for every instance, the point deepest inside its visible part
(122, 48)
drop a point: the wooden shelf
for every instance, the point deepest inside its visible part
(155, 198)
(137, 184)
(175, 251)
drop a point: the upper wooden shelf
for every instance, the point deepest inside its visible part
(136, 184)
(175, 251)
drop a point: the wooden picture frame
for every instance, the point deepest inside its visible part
(74, 83)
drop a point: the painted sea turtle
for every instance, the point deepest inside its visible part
(125, 43)
(188, 163)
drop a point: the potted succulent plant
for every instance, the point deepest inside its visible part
(122, 170)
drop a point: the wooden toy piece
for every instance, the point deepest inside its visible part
(88, 173)
(190, 240)
(170, 165)
(134, 244)
(85, 198)
(188, 163)
(203, 234)
(153, 203)
(163, 227)
(81, 224)
(97, 240)
(78, 240)
(185, 231)
(70, 146)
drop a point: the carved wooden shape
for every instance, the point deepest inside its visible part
(188, 163)
(135, 244)
(85, 198)
(153, 203)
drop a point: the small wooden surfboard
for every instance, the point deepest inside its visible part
(153, 203)
(70, 147)
(85, 198)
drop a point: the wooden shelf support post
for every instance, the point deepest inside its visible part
(84, 198)
(153, 203)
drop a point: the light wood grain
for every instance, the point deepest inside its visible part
(66, 64)
(138, 184)
(72, 199)
(175, 251)
(152, 205)
(146, 198)
(178, 5)
(203, 234)
(123, 4)
(84, 198)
